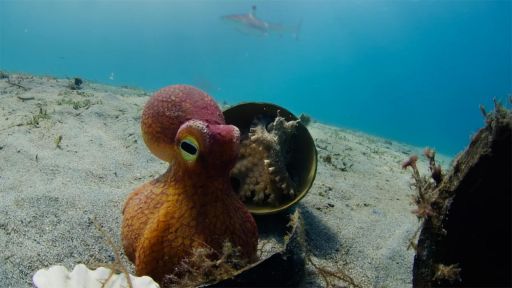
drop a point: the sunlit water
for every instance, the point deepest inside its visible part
(413, 71)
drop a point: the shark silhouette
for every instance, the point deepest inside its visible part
(250, 23)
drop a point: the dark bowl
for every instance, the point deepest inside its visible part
(303, 160)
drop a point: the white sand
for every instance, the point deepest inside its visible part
(357, 220)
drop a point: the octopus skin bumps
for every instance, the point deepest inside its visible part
(192, 205)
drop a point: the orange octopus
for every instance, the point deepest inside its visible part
(192, 205)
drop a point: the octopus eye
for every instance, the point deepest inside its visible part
(189, 149)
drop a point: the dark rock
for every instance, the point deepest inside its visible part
(471, 226)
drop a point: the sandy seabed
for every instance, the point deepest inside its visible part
(69, 158)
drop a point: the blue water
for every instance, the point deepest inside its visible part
(413, 71)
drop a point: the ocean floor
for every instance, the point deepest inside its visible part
(69, 158)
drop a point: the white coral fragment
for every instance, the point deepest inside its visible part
(81, 277)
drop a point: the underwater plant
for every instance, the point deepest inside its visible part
(58, 141)
(284, 266)
(42, 115)
(424, 185)
(451, 273)
(192, 205)
(16, 79)
(201, 268)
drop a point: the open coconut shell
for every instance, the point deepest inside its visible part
(466, 243)
(302, 162)
(283, 268)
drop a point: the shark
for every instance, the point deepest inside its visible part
(250, 23)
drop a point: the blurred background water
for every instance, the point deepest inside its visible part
(413, 71)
